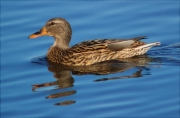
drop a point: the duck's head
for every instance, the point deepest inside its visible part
(59, 28)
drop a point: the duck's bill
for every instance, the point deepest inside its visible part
(41, 32)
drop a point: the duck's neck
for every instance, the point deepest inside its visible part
(61, 43)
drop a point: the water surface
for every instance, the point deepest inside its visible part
(148, 87)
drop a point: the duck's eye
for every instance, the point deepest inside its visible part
(52, 23)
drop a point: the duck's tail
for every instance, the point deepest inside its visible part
(140, 50)
(148, 45)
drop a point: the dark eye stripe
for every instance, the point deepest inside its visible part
(52, 23)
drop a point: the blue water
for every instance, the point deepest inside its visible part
(30, 88)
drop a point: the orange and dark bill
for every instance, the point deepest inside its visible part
(41, 32)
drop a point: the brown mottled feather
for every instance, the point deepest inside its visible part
(90, 52)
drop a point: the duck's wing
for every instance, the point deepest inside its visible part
(111, 44)
(121, 44)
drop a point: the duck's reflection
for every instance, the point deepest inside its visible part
(64, 79)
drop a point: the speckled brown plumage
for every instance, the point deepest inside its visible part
(88, 52)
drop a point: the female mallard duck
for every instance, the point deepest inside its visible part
(88, 52)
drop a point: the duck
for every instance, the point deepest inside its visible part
(88, 52)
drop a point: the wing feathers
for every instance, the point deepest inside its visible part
(119, 45)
